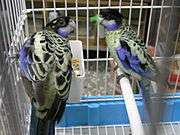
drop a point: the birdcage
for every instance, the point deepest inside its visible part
(98, 104)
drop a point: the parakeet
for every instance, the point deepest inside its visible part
(45, 66)
(128, 50)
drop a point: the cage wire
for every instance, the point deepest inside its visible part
(164, 129)
(155, 21)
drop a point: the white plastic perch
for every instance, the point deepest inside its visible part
(131, 107)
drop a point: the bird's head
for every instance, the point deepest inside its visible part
(111, 19)
(63, 25)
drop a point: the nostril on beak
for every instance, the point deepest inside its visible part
(72, 31)
(72, 24)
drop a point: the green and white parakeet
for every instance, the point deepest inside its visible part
(45, 65)
(130, 54)
(128, 50)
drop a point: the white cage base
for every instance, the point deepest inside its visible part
(163, 129)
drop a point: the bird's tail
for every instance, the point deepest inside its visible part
(41, 126)
(46, 126)
(154, 104)
(146, 90)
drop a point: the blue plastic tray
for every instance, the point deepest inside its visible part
(113, 111)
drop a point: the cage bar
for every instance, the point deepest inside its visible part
(11, 19)
(169, 22)
(77, 26)
(65, 4)
(6, 23)
(109, 3)
(87, 36)
(106, 70)
(177, 39)
(130, 12)
(97, 48)
(158, 30)
(149, 25)
(140, 16)
(33, 15)
(120, 3)
(3, 34)
(102, 7)
(44, 12)
(54, 5)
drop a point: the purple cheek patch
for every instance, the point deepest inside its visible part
(63, 33)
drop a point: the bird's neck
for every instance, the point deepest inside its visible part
(115, 32)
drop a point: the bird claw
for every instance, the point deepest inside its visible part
(168, 88)
(116, 67)
(173, 90)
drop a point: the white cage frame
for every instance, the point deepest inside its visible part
(16, 25)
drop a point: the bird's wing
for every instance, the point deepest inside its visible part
(43, 53)
(135, 57)
(34, 57)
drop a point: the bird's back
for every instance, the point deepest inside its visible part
(45, 59)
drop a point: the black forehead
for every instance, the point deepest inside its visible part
(58, 21)
(111, 14)
(65, 18)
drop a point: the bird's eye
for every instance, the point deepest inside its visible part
(54, 22)
(61, 22)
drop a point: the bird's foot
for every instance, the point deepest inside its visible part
(116, 67)
(173, 90)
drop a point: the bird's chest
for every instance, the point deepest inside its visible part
(113, 41)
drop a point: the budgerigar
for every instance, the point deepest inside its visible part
(128, 50)
(45, 65)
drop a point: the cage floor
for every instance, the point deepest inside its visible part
(162, 129)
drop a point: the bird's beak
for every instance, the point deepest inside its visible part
(72, 24)
(96, 18)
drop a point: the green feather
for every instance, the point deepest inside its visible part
(51, 71)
